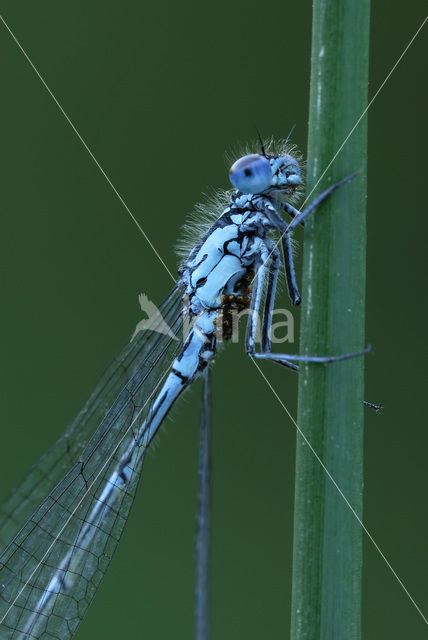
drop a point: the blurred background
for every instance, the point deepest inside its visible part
(159, 92)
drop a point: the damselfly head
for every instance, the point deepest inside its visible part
(286, 176)
(257, 173)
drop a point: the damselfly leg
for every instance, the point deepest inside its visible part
(299, 216)
(270, 299)
(255, 312)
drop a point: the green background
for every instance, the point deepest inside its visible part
(159, 91)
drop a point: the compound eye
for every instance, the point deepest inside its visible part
(251, 174)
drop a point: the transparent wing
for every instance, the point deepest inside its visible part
(51, 569)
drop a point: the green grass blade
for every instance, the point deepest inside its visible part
(327, 557)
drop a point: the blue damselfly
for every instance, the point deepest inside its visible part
(63, 523)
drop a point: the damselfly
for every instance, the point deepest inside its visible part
(65, 519)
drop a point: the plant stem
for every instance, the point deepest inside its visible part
(203, 515)
(327, 557)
